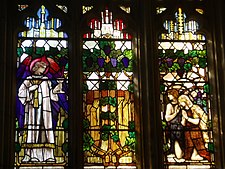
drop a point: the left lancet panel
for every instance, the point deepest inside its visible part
(41, 138)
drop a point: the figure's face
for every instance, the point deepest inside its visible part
(184, 105)
(170, 96)
(40, 70)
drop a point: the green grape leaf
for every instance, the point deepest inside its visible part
(112, 85)
(104, 101)
(104, 136)
(113, 101)
(86, 124)
(204, 103)
(65, 124)
(19, 52)
(65, 147)
(211, 147)
(112, 116)
(128, 53)
(17, 123)
(85, 88)
(161, 54)
(131, 125)
(17, 147)
(209, 124)
(170, 53)
(102, 44)
(96, 52)
(193, 53)
(112, 44)
(206, 88)
(106, 128)
(53, 51)
(202, 53)
(104, 115)
(131, 88)
(115, 53)
(164, 124)
(115, 137)
(131, 134)
(179, 53)
(187, 66)
(195, 60)
(40, 51)
(202, 62)
(64, 52)
(166, 147)
(29, 50)
(86, 147)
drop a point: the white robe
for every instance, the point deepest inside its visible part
(38, 120)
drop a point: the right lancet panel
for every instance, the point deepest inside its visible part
(185, 96)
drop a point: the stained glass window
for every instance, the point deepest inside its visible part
(41, 138)
(185, 95)
(108, 94)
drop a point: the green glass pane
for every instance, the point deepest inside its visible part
(211, 147)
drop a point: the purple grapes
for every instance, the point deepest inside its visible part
(125, 62)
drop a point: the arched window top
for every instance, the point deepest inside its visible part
(43, 26)
(180, 28)
(107, 26)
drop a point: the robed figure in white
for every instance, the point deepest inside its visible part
(36, 93)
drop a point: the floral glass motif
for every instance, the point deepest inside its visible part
(41, 138)
(108, 95)
(22, 7)
(63, 8)
(125, 8)
(160, 10)
(185, 96)
(85, 9)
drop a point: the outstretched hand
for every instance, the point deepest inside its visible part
(58, 89)
(34, 87)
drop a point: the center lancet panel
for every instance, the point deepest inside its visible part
(108, 94)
